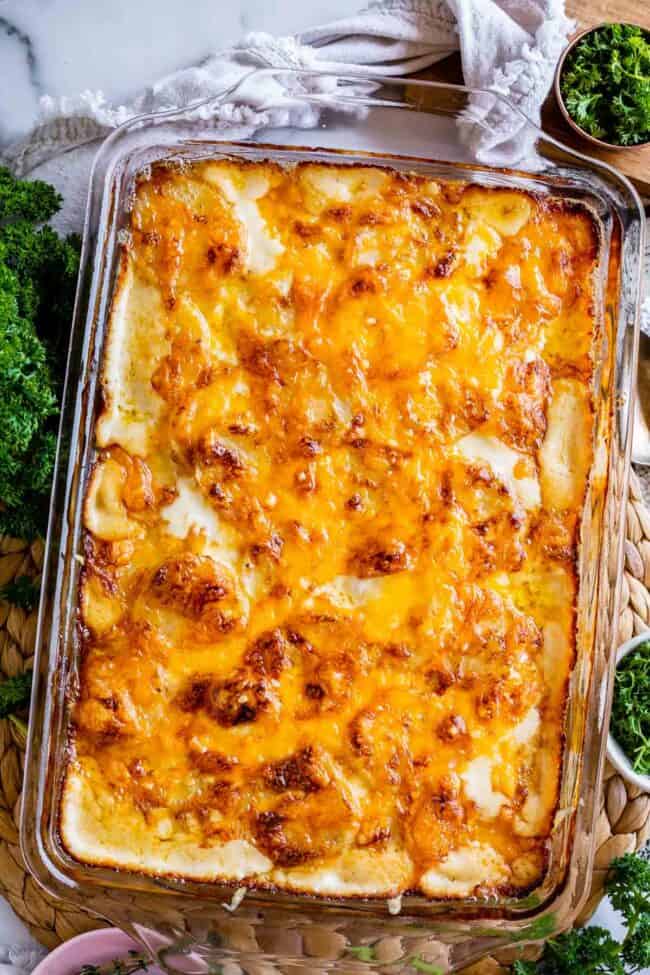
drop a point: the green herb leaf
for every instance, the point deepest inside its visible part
(420, 965)
(605, 84)
(628, 886)
(631, 708)
(636, 947)
(362, 952)
(135, 962)
(593, 951)
(586, 952)
(15, 693)
(540, 928)
(21, 592)
(524, 968)
(26, 199)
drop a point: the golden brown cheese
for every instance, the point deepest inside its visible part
(331, 532)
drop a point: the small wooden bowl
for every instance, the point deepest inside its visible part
(560, 100)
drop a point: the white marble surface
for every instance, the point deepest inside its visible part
(61, 47)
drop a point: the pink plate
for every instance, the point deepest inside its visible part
(92, 948)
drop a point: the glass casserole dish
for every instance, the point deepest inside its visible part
(409, 125)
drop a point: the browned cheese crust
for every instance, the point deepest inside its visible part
(331, 533)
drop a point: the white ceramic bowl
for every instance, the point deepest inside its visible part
(615, 753)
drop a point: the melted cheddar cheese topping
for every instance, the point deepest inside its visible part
(331, 532)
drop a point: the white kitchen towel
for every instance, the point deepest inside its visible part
(508, 46)
(20, 959)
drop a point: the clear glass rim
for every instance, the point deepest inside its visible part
(358, 77)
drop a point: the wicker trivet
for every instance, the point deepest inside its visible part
(623, 826)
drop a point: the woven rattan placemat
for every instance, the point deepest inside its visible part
(623, 824)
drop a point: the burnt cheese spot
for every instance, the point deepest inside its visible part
(302, 771)
(239, 700)
(378, 560)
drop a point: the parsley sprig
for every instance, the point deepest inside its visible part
(586, 951)
(14, 693)
(605, 84)
(594, 951)
(631, 708)
(21, 591)
(14, 699)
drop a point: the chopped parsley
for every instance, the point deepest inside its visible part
(631, 708)
(605, 84)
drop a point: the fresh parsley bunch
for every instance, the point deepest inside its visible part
(38, 273)
(594, 951)
(605, 84)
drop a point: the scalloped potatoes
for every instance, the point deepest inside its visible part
(331, 532)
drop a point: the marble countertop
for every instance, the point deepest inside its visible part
(61, 47)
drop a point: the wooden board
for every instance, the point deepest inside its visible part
(634, 163)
